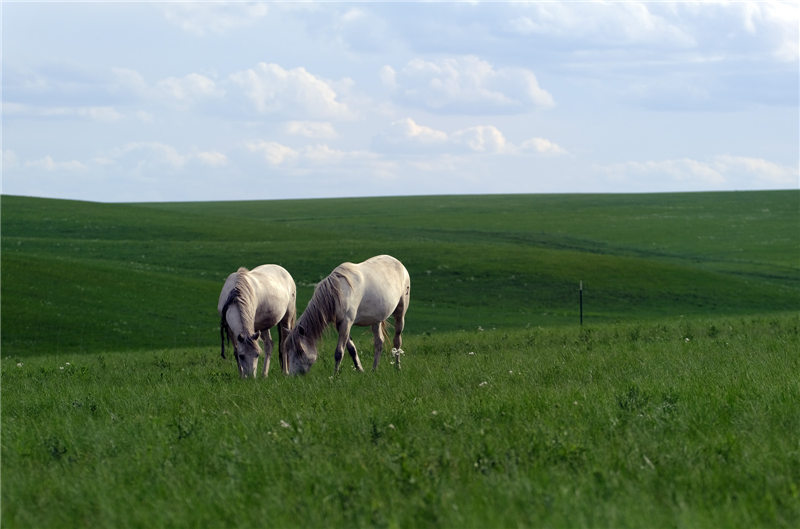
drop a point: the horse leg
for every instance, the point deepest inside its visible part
(267, 336)
(377, 331)
(283, 332)
(346, 342)
(344, 337)
(238, 363)
(351, 348)
(399, 323)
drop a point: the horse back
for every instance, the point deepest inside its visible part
(378, 286)
(273, 286)
(268, 290)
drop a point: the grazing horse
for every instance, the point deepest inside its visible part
(251, 302)
(353, 294)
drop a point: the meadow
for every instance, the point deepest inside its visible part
(674, 405)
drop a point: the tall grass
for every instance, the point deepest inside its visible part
(675, 406)
(691, 423)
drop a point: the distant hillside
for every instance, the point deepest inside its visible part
(89, 277)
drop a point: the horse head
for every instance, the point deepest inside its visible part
(301, 351)
(247, 352)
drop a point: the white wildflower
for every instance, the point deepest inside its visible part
(284, 424)
(19, 364)
(396, 353)
(484, 383)
(434, 412)
(471, 353)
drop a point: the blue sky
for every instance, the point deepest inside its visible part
(225, 101)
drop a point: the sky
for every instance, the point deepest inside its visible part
(144, 101)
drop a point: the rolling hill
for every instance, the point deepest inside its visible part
(87, 277)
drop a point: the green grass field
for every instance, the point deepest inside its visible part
(675, 405)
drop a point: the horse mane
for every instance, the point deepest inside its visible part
(242, 295)
(322, 308)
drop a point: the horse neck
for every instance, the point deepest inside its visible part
(244, 310)
(245, 299)
(248, 318)
(321, 311)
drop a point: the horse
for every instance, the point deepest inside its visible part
(252, 302)
(363, 294)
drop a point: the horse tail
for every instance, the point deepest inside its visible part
(292, 318)
(384, 332)
(223, 322)
(283, 337)
(222, 328)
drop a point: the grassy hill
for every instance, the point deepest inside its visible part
(83, 277)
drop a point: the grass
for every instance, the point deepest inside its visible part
(675, 406)
(690, 424)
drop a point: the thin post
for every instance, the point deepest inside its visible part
(580, 290)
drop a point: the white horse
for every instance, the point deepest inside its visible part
(251, 302)
(353, 294)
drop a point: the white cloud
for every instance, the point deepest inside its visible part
(48, 164)
(407, 136)
(407, 132)
(184, 91)
(10, 160)
(106, 114)
(761, 170)
(189, 88)
(483, 138)
(212, 158)
(779, 23)
(542, 146)
(275, 90)
(409, 129)
(218, 18)
(720, 172)
(388, 76)
(274, 153)
(468, 84)
(683, 170)
(323, 154)
(601, 23)
(126, 80)
(150, 153)
(311, 129)
(144, 116)
(277, 154)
